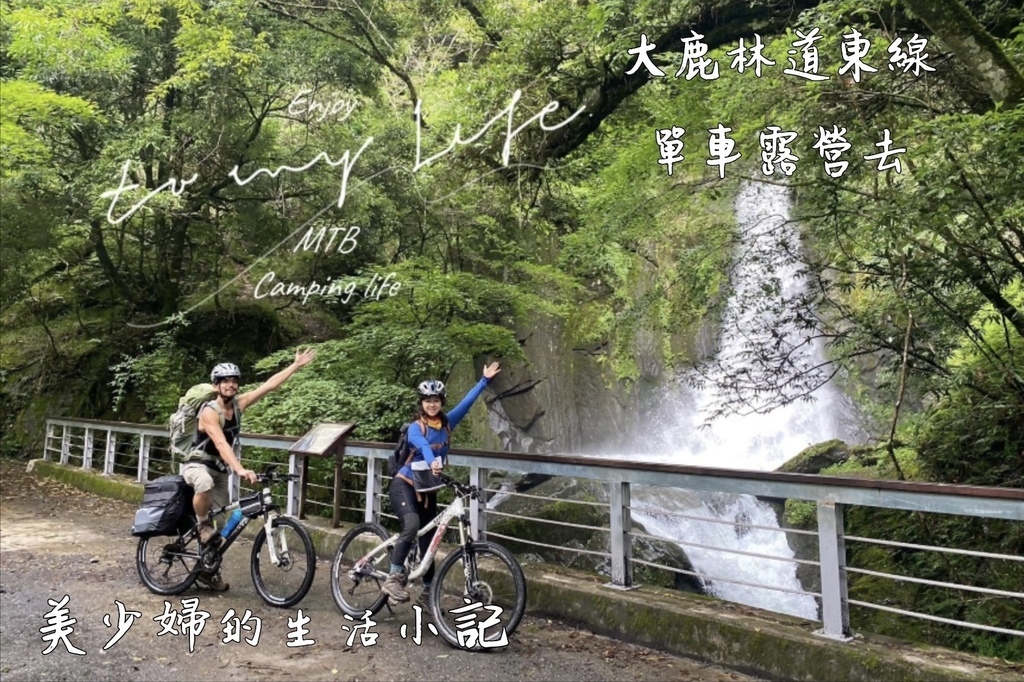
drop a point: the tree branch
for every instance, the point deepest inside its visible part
(481, 21)
(373, 52)
(720, 23)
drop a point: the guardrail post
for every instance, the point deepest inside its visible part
(65, 444)
(46, 443)
(292, 507)
(373, 485)
(478, 508)
(109, 454)
(339, 471)
(144, 459)
(87, 449)
(234, 482)
(621, 527)
(835, 608)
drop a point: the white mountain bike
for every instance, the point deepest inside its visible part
(476, 575)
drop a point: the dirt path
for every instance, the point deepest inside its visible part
(56, 541)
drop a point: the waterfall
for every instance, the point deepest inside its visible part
(763, 312)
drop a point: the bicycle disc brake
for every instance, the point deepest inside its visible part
(210, 560)
(481, 592)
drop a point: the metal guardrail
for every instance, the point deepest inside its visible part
(75, 441)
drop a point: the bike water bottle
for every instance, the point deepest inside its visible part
(232, 522)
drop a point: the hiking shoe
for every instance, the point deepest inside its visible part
(214, 582)
(423, 601)
(209, 536)
(394, 587)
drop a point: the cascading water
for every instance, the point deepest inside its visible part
(759, 315)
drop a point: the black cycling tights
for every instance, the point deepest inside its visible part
(414, 516)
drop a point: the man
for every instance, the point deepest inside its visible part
(217, 450)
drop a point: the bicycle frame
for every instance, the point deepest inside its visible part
(456, 510)
(269, 513)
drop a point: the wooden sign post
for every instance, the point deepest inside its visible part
(323, 440)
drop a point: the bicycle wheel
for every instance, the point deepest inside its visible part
(283, 585)
(353, 590)
(166, 565)
(470, 579)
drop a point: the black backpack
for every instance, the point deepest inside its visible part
(166, 508)
(402, 454)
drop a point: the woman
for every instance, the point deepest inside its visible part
(413, 489)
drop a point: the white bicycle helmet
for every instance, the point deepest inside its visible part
(431, 388)
(225, 370)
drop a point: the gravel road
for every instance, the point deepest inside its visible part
(58, 542)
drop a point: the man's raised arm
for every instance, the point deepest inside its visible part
(302, 357)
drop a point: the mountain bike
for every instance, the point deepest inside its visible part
(472, 577)
(282, 564)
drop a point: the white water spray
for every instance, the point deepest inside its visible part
(765, 281)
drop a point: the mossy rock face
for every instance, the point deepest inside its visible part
(667, 554)
(246, 332)
(56, 388)
(835, 457)
(583, 503)
(815, 458)
(568, 538)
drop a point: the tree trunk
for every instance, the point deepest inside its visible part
(107, 265)
(972, 45)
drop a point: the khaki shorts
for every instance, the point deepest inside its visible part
(204, 479)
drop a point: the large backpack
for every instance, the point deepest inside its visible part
(166, 508)
(402, 454)
(184, 423)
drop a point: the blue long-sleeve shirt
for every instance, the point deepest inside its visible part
(421, 443)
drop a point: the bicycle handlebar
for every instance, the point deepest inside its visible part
(270, 476)
(460, 487)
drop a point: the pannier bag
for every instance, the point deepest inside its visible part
(166, 506)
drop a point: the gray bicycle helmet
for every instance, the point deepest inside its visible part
(225, 370)
(431, 388)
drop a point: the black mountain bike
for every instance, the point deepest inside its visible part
(282, 563)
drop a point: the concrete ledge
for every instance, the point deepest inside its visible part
(116, 487)
(742, 638)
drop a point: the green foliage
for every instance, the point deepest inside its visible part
(65, 41)
(1002, 537)
(390, 346)
(801, 514)
(600, 241)
(978, 419)
(154, 377)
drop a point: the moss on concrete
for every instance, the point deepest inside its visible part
(742, 638)
(116, 487)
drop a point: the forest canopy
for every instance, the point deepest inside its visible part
(418, 187)
(184, 180)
